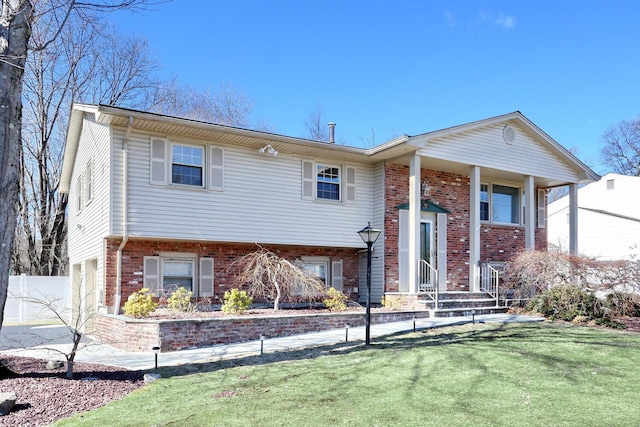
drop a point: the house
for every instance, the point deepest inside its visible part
(608, 219)
(157, 200)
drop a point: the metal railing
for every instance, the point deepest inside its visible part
(428, 283)
(490, 281)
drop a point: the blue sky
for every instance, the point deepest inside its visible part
(409, 67)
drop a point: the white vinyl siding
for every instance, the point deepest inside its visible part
(485, 147)
(252, 183)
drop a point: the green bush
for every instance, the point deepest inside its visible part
(336, 300)
(394, 302)
(180, 300)
(236, 301)
(139, 304)
(567, 302)
(623, 304)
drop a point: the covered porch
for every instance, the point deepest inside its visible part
(475, 197)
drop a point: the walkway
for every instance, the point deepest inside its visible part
(107, 355)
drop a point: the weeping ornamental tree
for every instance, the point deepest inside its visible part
(276, 279)
(17, 18)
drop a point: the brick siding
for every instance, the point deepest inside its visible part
(223, 254)
(452, 192)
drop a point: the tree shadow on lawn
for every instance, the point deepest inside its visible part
(477, 339)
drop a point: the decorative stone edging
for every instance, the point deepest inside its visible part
(178, 334)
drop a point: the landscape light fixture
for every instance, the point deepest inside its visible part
(369, 235)
(156, 350)
(261, 344)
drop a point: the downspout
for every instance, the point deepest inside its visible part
(125, 218)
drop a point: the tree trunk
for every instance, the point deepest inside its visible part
(15, 32)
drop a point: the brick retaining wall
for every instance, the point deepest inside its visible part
(178, 334)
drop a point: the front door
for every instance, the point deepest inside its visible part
(427, 251)
(427, 269)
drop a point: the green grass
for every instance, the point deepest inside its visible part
(545, 374)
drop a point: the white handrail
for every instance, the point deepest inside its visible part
(429, 281)
(490, 281)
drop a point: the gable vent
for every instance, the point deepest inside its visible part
(509, 134)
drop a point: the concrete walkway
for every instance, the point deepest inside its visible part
(107, 355)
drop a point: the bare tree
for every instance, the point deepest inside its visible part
(227, 105)
(17, 19)
(621, 147)
(316, 128)
(276, 279)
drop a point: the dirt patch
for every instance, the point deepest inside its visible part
(45, 396)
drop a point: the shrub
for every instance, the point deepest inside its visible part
(139, 304)
(623, 304)
(336, 301)
(394, 302)
(566, 302)
(236, 301)
(180, 300)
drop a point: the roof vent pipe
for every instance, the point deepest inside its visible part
(332, 132)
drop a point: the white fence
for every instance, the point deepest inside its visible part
(53, 289)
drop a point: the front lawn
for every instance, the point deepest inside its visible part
(545, 374)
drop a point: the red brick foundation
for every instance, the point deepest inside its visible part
(224, 256)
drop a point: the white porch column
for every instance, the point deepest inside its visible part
(414, 222)
(529, 213)
(474, 229)
(573, 219)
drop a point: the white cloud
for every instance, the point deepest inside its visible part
(450, 18)
(506, 22)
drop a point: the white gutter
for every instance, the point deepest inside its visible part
(125, 218)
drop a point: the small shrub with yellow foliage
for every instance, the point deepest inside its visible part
(140, 304)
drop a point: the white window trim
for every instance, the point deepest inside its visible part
(203, 165)
(79, 193)
(347, 189)
(89, 189)
(325, 260)
(520, 189)
(340, 181)
(213, 160)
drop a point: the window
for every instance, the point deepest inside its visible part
(317, 269)
(500, 203)
(170, 271)
(328, 182)
(506, 204)
(177, 273)
(187, 165)
(79, 193)
(484, 202)
(610, 184)
(88, 191)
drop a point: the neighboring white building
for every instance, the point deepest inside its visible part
(608, 219)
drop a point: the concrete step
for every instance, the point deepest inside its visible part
(466, 312)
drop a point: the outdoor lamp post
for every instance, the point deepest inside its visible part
(368, 235)
(156, 350)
